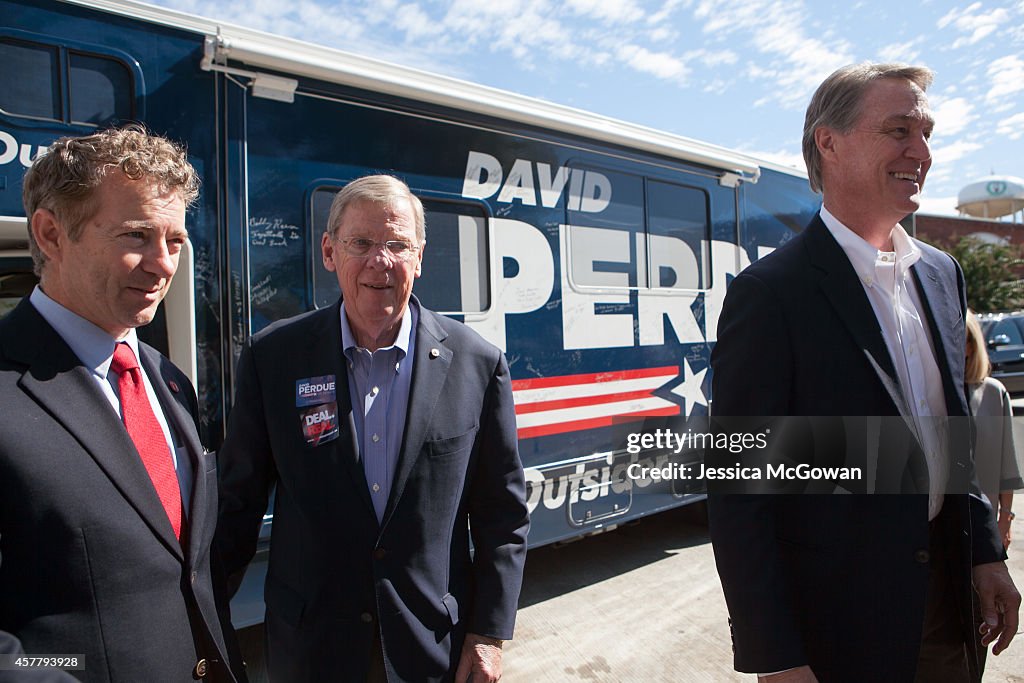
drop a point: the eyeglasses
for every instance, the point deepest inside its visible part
(360, 246)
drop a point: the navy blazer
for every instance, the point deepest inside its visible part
(88, 560)
(336, 576)
(837, 582)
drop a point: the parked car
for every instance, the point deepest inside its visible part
(1004, 338)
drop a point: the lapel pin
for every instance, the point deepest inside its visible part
(174, 386)
(434, 353)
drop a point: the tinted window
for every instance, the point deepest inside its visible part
(1006, 327)
(456, 272)
(604, 229)
(679, 237)
(30, 80)
(325, 283)
(101, 89)
(52, 82)
(649, 235)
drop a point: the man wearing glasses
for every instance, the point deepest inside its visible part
(390, 434)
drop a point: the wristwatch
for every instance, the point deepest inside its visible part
(1010, 514)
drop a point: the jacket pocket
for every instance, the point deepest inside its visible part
(453, 444)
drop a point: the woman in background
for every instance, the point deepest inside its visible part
(995, 458)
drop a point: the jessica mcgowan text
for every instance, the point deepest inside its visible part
(701, 472)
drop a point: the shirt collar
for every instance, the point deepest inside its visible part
(93, 346)
(907, 253)
(348, 339)
(863, 256)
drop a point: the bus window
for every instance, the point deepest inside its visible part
(101, 89)
(604, 228)
(647, 234)
(678, 237)
(456, 271)
(456, 274)
(53, 83)
(30, 80)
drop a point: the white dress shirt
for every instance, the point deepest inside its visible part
(890, 287)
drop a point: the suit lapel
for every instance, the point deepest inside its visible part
(943, 319)
(56, 379)
(839, 283)
(430, 368)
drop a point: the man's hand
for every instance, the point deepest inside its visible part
(480, 661)
(1000, 603)
(801, 674)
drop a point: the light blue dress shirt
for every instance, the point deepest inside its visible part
(379, 384)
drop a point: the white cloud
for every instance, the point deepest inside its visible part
(1007, 76)
(940, 176)
(902, 51)
(974, 22)
(783, 157)
(712, 58)
(414, 22)
(526, 29)
(659, 64)
(938, 206)
(662, 34)
(609, 11)
(952, 115)
(666, 11)
(717, 86)
(797, 62)
(947, 154)
(1012, 126)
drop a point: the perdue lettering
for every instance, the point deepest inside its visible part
(315, 388)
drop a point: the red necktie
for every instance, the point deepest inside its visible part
(146, 432)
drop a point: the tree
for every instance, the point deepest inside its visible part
(993, 273)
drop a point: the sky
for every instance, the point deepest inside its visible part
(736, 74)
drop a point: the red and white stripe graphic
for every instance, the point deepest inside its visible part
(554, 405)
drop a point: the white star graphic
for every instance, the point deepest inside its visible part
(689, 389)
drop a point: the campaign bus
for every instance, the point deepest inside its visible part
(595, 253)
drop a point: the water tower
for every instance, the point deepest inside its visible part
(993, 197)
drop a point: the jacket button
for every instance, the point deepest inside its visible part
(192, 577)
(366, 617)
(922, 556)
(380, 554)
(200, 670)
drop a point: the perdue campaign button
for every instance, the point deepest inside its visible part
(314, 391)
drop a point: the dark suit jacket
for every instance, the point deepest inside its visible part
(336, 576)
(88, 561)
(835, 581)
